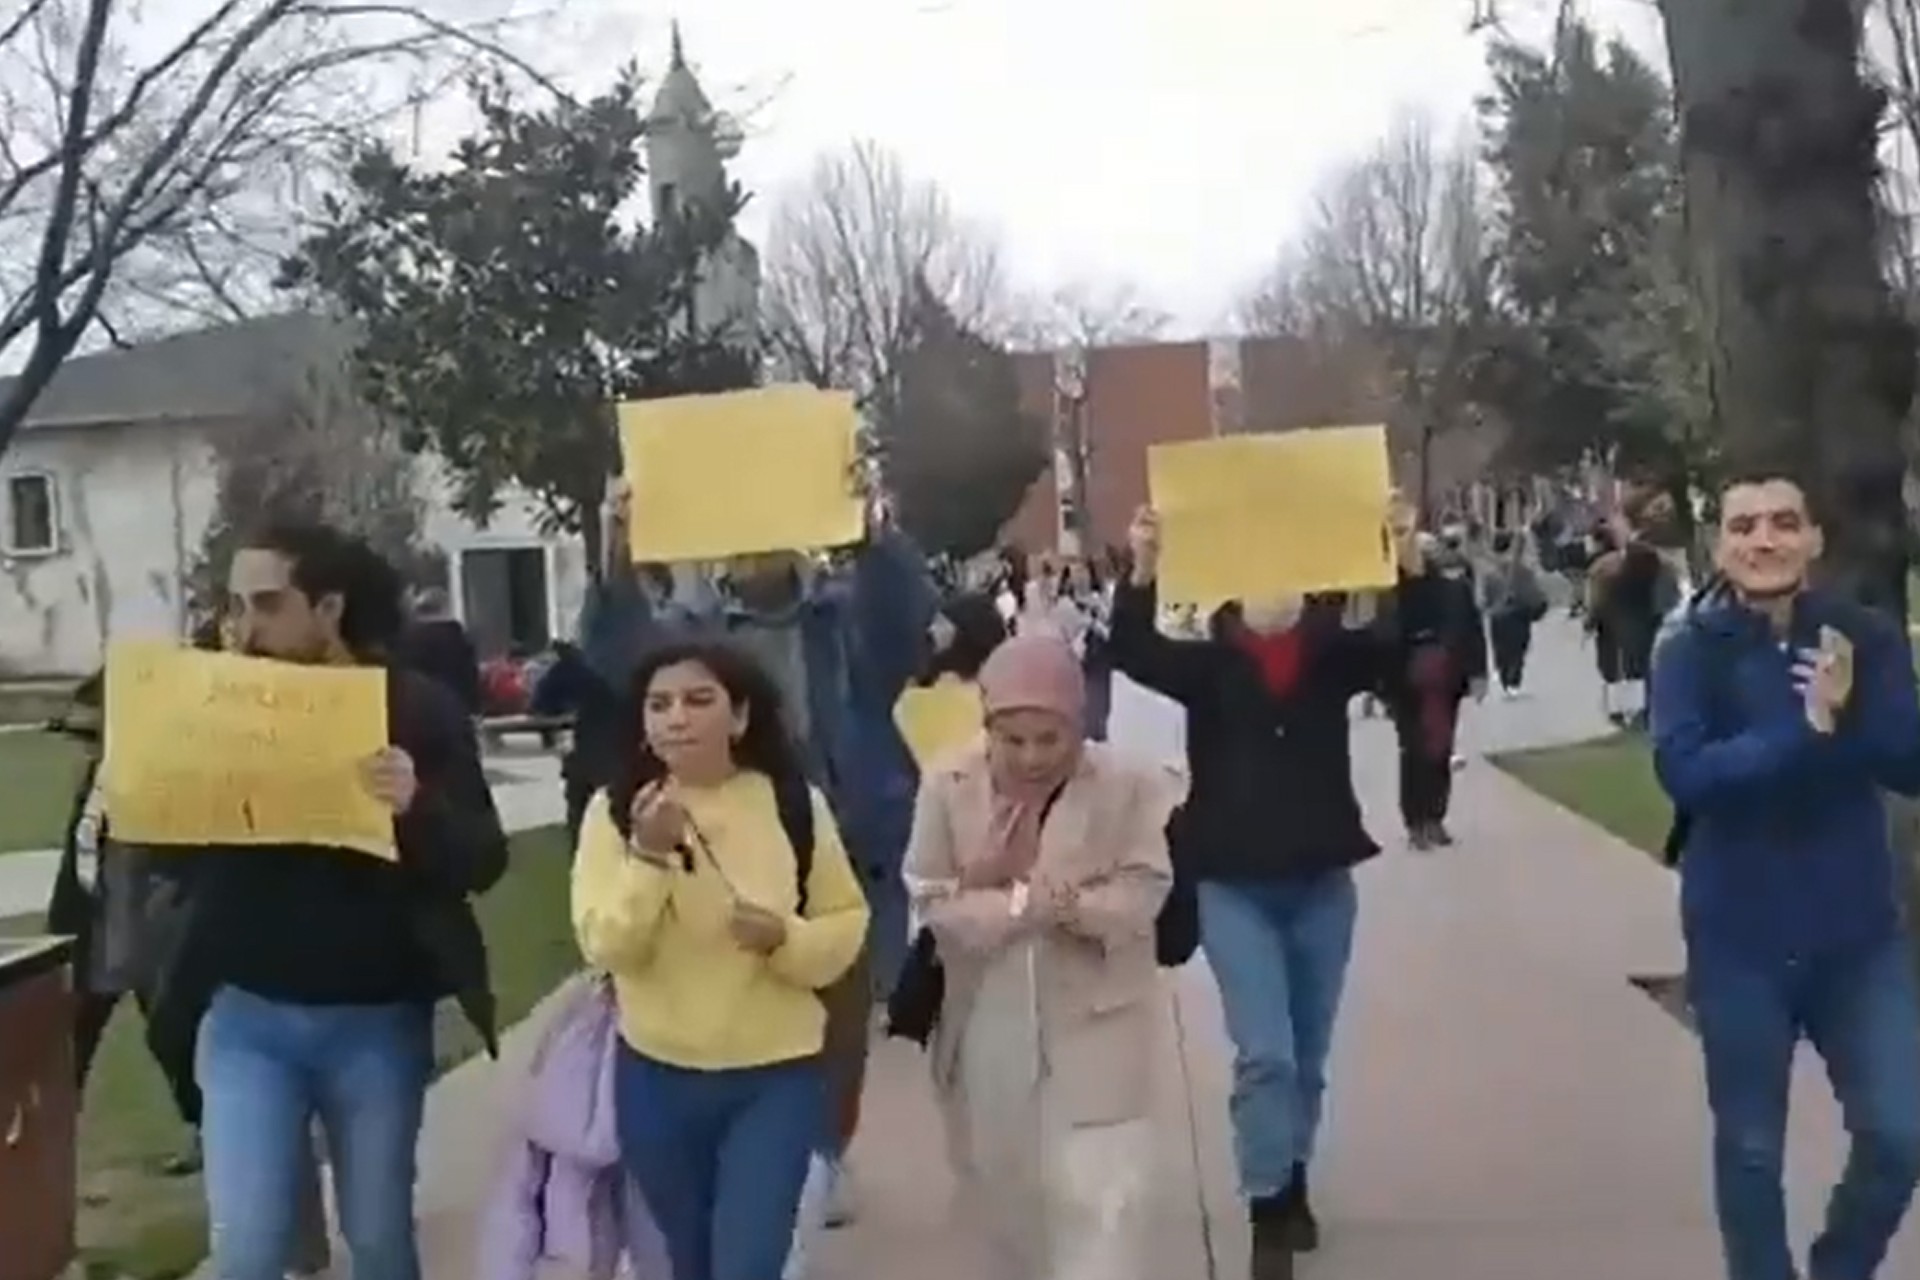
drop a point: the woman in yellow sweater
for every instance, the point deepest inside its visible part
(712, 885)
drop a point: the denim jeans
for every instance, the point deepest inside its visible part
(877, 843)
(266, 1070)
(1861, 1013)
(1278, 950)
(720, 1158)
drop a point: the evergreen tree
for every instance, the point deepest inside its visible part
(957, 450)
(507, 301)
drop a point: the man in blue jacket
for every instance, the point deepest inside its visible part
(1780, 714)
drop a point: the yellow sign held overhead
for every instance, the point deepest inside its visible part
(1252, 517)
(741, 473)
(218, 749)
(938, 718)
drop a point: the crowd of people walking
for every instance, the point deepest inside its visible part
(764, 871)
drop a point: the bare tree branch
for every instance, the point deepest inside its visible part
(1087, 314)
(137, 171)
(1395, 251)
(848, 253)
(1395, 259)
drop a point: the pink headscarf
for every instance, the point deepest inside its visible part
(1037, 672)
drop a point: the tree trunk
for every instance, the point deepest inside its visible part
(1812, 365)
(593, 544)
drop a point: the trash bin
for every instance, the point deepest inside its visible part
(38, 1108)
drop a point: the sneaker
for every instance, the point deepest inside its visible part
(1419, 840)
(1272, 1252)
(1440, 836)
(810, 1219)
(839, 1195)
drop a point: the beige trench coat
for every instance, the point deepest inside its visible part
(1093, 986)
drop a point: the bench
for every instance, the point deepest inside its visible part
(496, 729)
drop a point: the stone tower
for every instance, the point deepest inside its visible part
(688, 146)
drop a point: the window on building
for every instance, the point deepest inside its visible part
(32, 528)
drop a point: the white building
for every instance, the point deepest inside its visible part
(107, 490)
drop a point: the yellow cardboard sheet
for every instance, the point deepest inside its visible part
(1249, 517)
(938, 719)
(741, 473)
(218, 749)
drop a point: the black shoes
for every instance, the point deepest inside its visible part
(1283, 1226)
(1272, 1256)
(1303, 1229)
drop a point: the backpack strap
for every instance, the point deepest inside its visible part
(793, 800)
(1680, 830)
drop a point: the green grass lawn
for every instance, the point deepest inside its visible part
(140, 1222)
(38, 773)
(1608, 781)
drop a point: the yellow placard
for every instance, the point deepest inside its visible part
(1250, 517)
(218, 749)
(939, 718)
(740, 473)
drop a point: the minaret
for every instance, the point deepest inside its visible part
(688, 146)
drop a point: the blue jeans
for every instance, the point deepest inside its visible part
(878, 846)
(266, 1070)
(1861, 1013)
(1278, 950)
(720, 1158)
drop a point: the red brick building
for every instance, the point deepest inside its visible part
(1159, 393)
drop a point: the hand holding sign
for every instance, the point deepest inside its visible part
(390, 779)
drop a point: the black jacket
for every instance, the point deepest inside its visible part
(1271, 793)
(442, 649)
(1431, 608)
(326, 926)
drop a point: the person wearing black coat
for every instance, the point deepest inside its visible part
(1439, 659)
(305, 977)
(1269, 835)
(436, 644)
(126, 911)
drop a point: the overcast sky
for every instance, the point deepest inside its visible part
(1172, 143)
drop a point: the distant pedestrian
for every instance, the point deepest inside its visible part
(1439, 658)
(436, 644)
(1514, 603)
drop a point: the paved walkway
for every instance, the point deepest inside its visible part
(1506, 1107)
